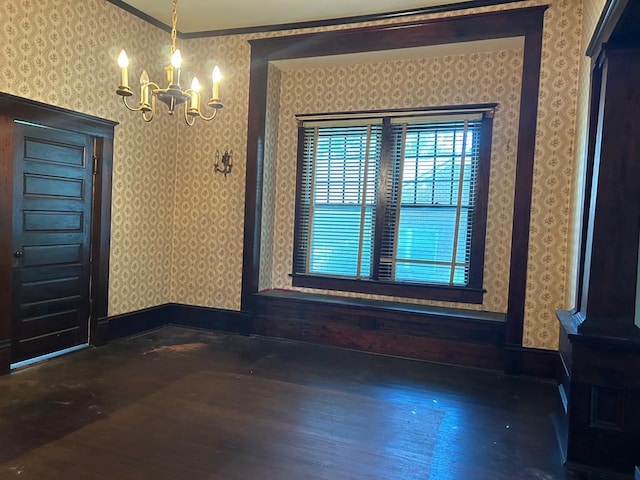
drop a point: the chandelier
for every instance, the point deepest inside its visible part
(172, 95)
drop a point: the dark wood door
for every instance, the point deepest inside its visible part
(53, 186)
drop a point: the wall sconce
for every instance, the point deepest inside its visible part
(225, 168)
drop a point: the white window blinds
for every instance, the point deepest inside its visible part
(336, 208)
(389, 199)
(430, 210)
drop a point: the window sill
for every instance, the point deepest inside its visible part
(401, 290)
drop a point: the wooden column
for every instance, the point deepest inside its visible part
(600, 342)
(614, 227)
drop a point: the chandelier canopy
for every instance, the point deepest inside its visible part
(172, 95)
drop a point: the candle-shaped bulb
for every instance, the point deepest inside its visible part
(216, 76)
(176, 59)
(195, 96)
(144, 89)
(123, 63)
(123, 60)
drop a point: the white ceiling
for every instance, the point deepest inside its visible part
(209, 15)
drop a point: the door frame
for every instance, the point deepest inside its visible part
(102, 131)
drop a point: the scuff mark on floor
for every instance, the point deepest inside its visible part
(17, 469)
(184, 347)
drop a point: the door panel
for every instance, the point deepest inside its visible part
(51, 240)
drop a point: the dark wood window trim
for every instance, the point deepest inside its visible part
(525, 22)
(472, 292)
(16, 108)
(392, 289)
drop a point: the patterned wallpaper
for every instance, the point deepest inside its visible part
(63, 52)
(487, 77)
(270, 180)
(177, 226)
(209, 207)
(549, 252)
(547, 265)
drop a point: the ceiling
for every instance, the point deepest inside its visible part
(212, 15)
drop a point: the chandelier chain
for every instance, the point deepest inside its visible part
(174, 22)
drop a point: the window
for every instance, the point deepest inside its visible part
(394, 203)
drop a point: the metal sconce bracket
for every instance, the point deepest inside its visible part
(226, 166)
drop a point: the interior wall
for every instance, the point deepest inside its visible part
(553, 170)
(270, 179)
(207, 256)
(591, 12)
(209, 207)
(463, 79)
(64, 53)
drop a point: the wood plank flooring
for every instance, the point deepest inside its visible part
(178, 403)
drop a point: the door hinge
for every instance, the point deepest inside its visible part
(95, 164)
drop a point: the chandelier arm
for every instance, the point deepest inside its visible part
(189, 119)
(206, 119)
(133, 109)
(147, 115)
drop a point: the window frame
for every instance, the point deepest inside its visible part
(472, 292)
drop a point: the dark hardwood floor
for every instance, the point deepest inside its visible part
(177, 403)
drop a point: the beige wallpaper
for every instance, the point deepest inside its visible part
(270, 181)
(209, 207)
(547, 266)
(547, 274)
(177, 226)
(64, 52)
(487, 77)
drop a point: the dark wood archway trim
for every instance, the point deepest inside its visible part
(328, 22)
(324, 22)
(15, 108)
(525, 22)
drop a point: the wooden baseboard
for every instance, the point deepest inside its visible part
(140, 321)
(533, 362)
(590, 472)
(466, 338)
(99, 332)
(136, 322)
(209, 318)
(5, 356)
(472, 342)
